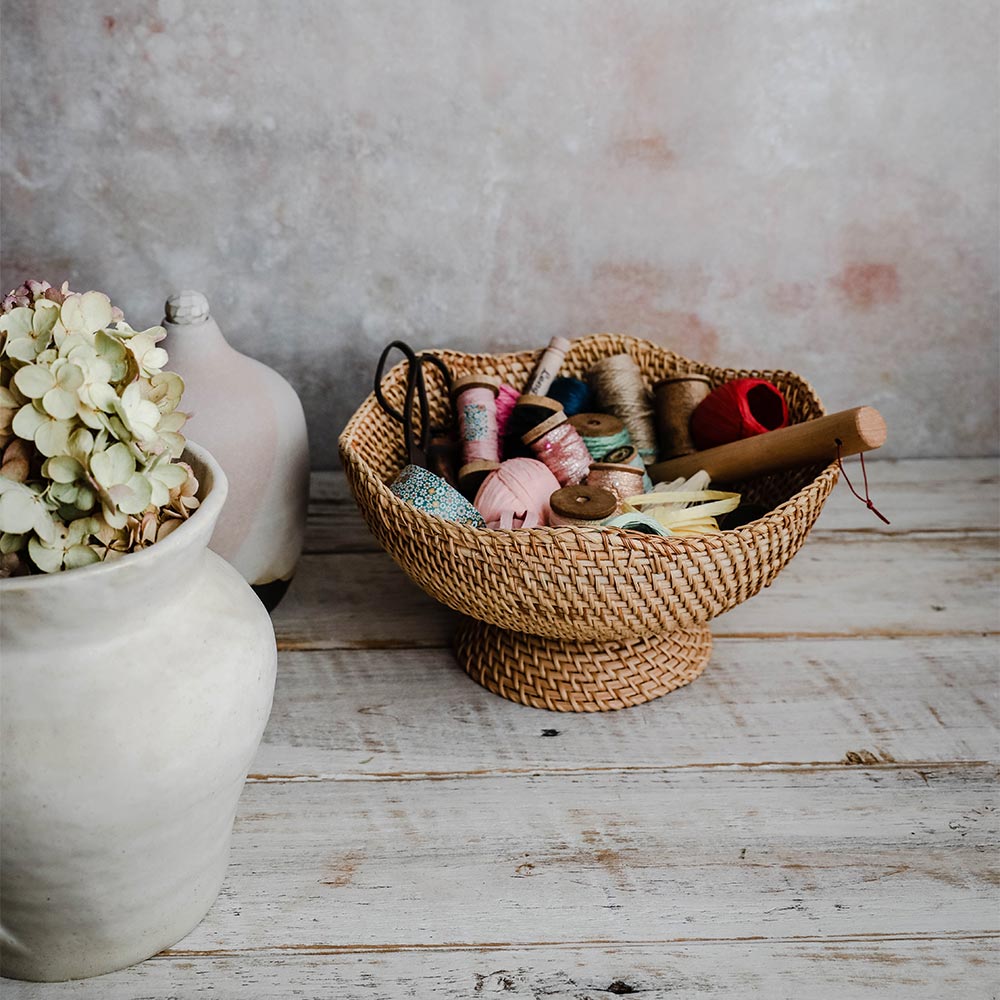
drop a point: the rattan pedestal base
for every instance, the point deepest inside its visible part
(567, 676)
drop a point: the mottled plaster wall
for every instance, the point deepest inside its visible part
(777, 183)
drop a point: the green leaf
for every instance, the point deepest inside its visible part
(171, 476)
(141, 491)
(17, 323)
(46, 559)
(60, 404)
(44, 319)
(26, 422)
(33, 380)
(96, 309)
(17, 511)
(112, 467)
(62, 469)
(10, 542)
(52, 437)
(23, 349)
(81, 443)
(68, 375)
(81, 555)
(115, 519)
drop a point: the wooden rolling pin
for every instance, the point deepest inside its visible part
(860, 429)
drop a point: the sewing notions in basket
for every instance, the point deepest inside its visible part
(571, 618)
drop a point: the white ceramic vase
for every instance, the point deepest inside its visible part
(251, 420)
(133, 695)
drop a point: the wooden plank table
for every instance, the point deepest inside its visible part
(814, 817)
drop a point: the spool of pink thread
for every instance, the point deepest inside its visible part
(522, 487)
(507, 398)
(559, 445)
(476, 405)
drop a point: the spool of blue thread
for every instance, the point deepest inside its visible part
(575, 395)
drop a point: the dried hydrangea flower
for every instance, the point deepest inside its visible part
(90, 432)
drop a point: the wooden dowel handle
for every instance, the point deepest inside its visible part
(860, 429)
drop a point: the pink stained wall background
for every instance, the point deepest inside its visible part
(801, 184)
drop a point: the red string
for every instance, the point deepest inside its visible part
(866, 499)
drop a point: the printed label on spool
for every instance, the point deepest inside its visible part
(548, 366)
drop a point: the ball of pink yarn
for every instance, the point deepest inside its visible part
(521, 485)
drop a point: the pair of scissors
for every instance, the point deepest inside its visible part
(429, 447)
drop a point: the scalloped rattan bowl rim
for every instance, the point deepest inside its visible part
(612, 538)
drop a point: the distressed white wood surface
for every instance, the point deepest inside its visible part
(391, 713)
(855, 967)
(814, 817)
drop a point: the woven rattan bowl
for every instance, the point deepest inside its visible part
(580, 619)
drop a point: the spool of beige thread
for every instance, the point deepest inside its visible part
(675, 400)
(581, 506)
(619, 388)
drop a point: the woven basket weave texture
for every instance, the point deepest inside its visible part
(581, 584)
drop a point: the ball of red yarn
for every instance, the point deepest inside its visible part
(736, 410)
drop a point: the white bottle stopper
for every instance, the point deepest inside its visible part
(186, 308)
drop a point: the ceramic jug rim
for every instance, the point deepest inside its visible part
(208, 509)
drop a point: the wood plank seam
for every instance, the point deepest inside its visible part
(360, 949)
(773, 766)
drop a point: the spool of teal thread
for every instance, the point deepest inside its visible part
(601, 433)
(636, 521)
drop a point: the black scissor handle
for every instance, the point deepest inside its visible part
(416, 392)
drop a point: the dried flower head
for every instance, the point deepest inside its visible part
(90, 436)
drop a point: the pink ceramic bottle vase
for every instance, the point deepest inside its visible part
(251, 420)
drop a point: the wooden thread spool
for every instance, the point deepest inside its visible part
(474, 399)
(619, 389)
(623, 480)
(809, 443)
(627, 455)
(597, 424)
(675, 400)
(556, 443)
(528, 412)
(548, 367)
(472, 475)
(601, 433)
(581, 506)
